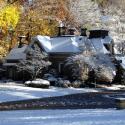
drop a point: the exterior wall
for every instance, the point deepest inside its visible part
(58, 61)
(11, 73)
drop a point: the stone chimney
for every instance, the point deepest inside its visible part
(61, 29)
(83, 31)
(22, 40)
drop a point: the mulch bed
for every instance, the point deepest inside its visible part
(75, 101)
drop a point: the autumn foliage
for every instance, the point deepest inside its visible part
(19, 17)
(43, 17)
(9, 17)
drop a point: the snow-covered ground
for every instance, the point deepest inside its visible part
(114, 87)
(63, 117)
(13, 92)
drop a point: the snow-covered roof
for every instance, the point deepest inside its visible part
(17, 53)
(63, 44)
(71, 44)
(98, 46)
(9, 64)
(107, 40)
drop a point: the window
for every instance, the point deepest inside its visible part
(60, 67)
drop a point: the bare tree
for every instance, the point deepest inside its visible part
(121, 47)
(34, 64)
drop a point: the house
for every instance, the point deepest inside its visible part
(59, 48)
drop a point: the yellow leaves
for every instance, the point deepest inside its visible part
(2, 52)
(3, 48)
(43, 27)
(47, 28)
(9, 16)
(43, 17)
(34, 25)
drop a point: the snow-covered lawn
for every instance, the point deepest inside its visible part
(63, 117)
(115, 87)
(13, 92)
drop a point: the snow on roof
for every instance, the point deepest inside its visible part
(17, 53)
(66, 44)
(97, 43)
(71, 44)
(107, 40)
(45, 42)
(63, 44)
(9, 64)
